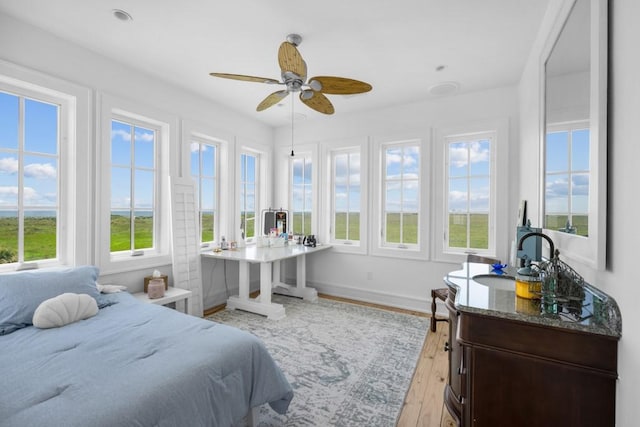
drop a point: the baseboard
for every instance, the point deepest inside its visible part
(405, 302)
(422, 305)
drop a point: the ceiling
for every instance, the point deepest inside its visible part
(396, 46)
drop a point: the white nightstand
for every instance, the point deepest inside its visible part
(177, 295)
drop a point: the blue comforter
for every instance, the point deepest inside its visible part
(136, 364)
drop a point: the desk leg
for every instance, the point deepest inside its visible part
(243, 280)
(265, 282)
(300, 290)
(261, 305)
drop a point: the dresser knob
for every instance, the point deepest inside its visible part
(446, 346)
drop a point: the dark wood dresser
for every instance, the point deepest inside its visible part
(511, 365)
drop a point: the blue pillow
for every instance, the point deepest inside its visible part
(22, 292)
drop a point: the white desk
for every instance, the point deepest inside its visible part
(269, 260)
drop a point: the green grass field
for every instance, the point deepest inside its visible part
(402, 228)
(556, 222)
(40, 239)
(207, 227)
(352, 232)
(121, 231)
(301, 227)
(478, 231)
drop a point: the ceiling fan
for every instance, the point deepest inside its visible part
(294, 78)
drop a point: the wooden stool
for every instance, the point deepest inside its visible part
(441, 294)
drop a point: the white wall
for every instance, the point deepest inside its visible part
(620, 278)
(34, 49)
(393, 281)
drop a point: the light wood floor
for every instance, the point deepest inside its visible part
(424, 403)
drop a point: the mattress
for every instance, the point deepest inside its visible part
(136, 364)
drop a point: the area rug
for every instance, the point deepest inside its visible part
(349, 365)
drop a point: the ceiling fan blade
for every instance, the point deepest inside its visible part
(245, 78)
(317, 101)
(340, 85)
(272, 99)
(290, 60)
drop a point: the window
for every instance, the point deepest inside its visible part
(567, 178)
(401, 195)
(204, 170)
(346, 196)
(468, 200)
(133, 207)
(400, 212)
(31, 216)
(133, 186)
(301, 195)
(249, 186)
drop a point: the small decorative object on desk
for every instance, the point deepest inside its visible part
(156, 288)
(497, 268)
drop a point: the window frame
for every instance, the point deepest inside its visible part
(467, 138)
(226, 170)
(211, 142)
(74, 159)
(157, 130)
(263, 182)
(347, 244)
(500, 182)
(112, 108)
(421, 249)
(304, 155)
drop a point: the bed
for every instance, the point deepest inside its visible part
(131, 364)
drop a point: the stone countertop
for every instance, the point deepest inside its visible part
(595, 312)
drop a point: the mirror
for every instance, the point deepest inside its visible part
(566, 185)
(573, 187)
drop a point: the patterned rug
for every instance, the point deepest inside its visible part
(349, 365)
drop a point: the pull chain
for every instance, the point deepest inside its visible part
(292, 99)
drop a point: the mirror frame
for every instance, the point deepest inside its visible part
(590, 250)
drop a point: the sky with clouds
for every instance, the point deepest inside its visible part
(132, 154)
(40, 156)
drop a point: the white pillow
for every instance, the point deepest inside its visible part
(110, 289)
(64, 309)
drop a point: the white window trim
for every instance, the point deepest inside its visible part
(310, 152)
(492, 137)
(421, 250)
(74, 222)
(226, 170)
(110, 106)
(264, 154)
(328, 149)
(499, 190)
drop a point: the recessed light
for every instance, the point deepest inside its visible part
(444, 88)
(121, 15)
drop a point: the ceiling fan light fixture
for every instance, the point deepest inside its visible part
(315, 85)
